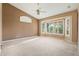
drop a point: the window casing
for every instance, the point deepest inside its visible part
(53, 27)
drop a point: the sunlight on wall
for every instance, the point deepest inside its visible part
(25, 19)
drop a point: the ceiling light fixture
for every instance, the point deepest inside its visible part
(38, 10)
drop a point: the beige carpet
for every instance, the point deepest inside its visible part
(39, 46)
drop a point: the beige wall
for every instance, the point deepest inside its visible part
(78, 27)
(11, 25)
(0, 23)
(74, 15)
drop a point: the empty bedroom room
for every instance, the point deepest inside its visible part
(40, 29)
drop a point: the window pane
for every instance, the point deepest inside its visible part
(48, 30)
(60, 27)
(56, 27)
(51, 28)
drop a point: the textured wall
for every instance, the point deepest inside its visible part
(74, 15)
(12, 27)
(0, 23)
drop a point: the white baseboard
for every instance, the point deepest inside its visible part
(26, 38)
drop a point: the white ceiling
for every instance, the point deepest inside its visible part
(49, 8)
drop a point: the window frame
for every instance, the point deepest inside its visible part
(60, 19)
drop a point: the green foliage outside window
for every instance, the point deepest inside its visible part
(55, 27)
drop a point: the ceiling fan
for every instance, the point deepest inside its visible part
(39, 10)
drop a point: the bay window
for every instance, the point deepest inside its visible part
(54, 27)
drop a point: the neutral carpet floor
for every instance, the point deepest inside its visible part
(39, 46)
